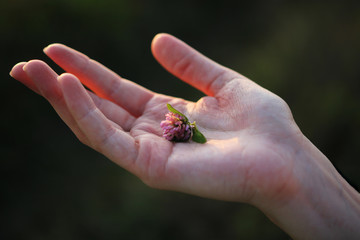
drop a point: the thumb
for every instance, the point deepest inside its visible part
(189, 65)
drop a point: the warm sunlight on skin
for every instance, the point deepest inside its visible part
(255, 152)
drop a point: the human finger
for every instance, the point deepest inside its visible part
(104, 82)
(45, 81)
(191, 66)
(103, 136)
(18, 73)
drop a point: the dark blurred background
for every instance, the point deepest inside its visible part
(53, 187)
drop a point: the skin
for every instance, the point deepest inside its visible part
(255, 151)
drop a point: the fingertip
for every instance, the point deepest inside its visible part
(70, 84)
(19, 64)
(33, 65)
(159, 36)
(159, 40)
(46, 49)
(20, 75)
(52, 48)
(67, 78)
(17, 69)
(66, 75)
(67, 58)
(76, 97)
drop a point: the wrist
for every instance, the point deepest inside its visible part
(323, 204)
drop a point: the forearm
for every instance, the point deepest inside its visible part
(325, 206)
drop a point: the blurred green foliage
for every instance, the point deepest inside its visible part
(55, 188)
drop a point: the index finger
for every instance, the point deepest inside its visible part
(104, 82)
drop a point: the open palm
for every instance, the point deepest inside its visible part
(247, 127)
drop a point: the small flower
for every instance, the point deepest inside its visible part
(176, 128)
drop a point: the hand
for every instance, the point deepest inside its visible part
(255, 152)
(243, 122)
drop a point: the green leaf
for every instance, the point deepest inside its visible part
(198, 136)
(173, 110)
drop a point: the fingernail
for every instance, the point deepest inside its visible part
(12, 69)
(24, 67)
(46, 48)
(49, 46)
